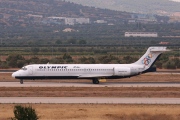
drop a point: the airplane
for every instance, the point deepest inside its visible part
(94, 72)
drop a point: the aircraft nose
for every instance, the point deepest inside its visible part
(14, 74)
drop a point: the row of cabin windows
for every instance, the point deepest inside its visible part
(74, 70)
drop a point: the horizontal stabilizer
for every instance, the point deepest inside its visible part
(158, 49)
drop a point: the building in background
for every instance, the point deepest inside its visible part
(141, 34)
(73, 21)
(175, 17)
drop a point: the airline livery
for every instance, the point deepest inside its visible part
(95, 72)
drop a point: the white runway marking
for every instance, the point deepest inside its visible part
(88, 84)
(85, 100)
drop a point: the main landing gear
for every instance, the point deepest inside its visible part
(21, 81)
(95, 81)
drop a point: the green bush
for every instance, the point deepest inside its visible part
(169, 65)
(15, 60)
(24, 113)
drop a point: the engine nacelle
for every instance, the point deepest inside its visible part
(122, 71)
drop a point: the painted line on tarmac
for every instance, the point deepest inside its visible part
(88, 100)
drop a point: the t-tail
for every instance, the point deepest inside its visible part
(150, 57)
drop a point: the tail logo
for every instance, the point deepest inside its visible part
(147, 60)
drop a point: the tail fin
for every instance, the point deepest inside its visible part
(151, 55)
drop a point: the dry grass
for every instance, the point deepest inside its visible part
(171, 92)
(6, 77)
(98, 112)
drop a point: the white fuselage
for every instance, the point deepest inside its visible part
(78, 71)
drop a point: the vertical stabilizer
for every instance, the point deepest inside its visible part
(151, 55)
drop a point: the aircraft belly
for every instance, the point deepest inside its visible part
(65, 74)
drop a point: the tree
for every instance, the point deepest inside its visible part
(159, 64)
(57, 60)
(4, 65)
(72, 41)
(58, 42)
(15, 60)
(83, 59)
(176, 62)
(24, 113)
(34, 60)
(105, 59)
(91, 60)
(82, 42)
(20, 63)
(44, 61)
(169, 65)
(164, 58)
(67, 58)
(128, 59)
(35, 50)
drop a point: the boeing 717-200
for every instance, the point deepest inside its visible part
(94, 72)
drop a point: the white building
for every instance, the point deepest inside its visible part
(68, 30)
(60, 18)
(70, 21)
(141, 34)
(73, 21)
(82, 20)
(35, 16)
(175, 17)
(100, 21)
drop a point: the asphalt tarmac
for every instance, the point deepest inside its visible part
(89, 84)
(88, 100)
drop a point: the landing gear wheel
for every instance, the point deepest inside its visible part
(95, 81)
(21, 81)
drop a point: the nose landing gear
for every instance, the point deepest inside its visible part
(21, 81)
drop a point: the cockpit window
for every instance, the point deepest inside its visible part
(23, 68)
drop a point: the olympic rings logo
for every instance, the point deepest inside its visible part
(147, 59)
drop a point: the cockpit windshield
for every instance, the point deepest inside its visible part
(23, 68)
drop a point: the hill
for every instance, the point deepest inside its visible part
(43, 21)
(49, 22)
(33, 12)
(138, 6)
(57, 8)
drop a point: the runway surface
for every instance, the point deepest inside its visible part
(85, 100)
(88, 84)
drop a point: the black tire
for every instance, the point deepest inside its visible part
(95, 81)
(21, 81)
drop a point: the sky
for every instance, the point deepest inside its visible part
(175, 0)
